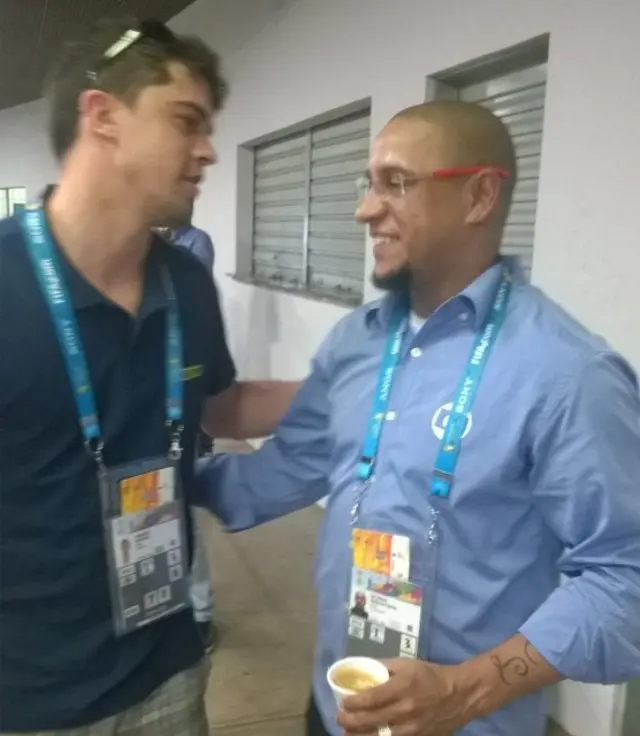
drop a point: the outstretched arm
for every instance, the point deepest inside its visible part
(289, 472)
(248, 409)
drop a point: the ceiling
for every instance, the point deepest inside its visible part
(31, 32)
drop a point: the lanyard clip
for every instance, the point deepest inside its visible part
(365, 468)
(95, 448)
(361, 491)
(175, 444)
(441, 483)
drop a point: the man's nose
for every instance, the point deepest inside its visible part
(370, 207)
(206, 153)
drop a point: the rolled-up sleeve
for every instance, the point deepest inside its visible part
(586, 484)
(289, 472)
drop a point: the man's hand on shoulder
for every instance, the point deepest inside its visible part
(248, 409)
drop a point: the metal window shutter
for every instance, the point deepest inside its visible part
(336, 244)
(304, 232)
(279, 210)
(518, 100)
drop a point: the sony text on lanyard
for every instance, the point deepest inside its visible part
(449, 450)
(45, 262)
(450, 445)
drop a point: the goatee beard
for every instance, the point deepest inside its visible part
(397, 282)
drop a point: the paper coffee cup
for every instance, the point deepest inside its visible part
(366, 665)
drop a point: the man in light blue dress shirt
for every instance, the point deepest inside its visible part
(199, 244)
(507, 451)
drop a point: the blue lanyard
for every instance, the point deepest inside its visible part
(47, 269)
(397, 331)
(450, 445)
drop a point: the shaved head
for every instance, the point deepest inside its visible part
(468, 135)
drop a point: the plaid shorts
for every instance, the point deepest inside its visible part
(175, 709)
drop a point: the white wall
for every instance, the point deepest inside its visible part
(228, 24)
(323, 54)
(25, 157)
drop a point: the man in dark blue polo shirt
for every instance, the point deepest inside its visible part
(112, 352)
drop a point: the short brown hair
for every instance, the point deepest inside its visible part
(143, 63)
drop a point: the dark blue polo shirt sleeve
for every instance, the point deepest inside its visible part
(220, 372)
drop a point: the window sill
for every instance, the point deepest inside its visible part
(346, 301)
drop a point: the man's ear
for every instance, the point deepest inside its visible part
(482, 197)
(98, 115)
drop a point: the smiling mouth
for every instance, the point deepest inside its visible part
(381, 241)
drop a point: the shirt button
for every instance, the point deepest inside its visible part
(463, 316)
(391, 415)
(416, 352)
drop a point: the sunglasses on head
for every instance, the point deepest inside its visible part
(153, 30)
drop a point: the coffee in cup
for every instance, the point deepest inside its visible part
(354, 675)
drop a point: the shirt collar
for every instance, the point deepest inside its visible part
(182, 231)
(478, 296)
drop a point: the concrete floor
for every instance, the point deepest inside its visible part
(261, 671)
(265, 609)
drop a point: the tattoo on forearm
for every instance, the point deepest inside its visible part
(530, 653)
(515, 667)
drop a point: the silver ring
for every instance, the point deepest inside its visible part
(384, 731)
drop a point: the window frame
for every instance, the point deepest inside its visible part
(245, 248)
(8, 208)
